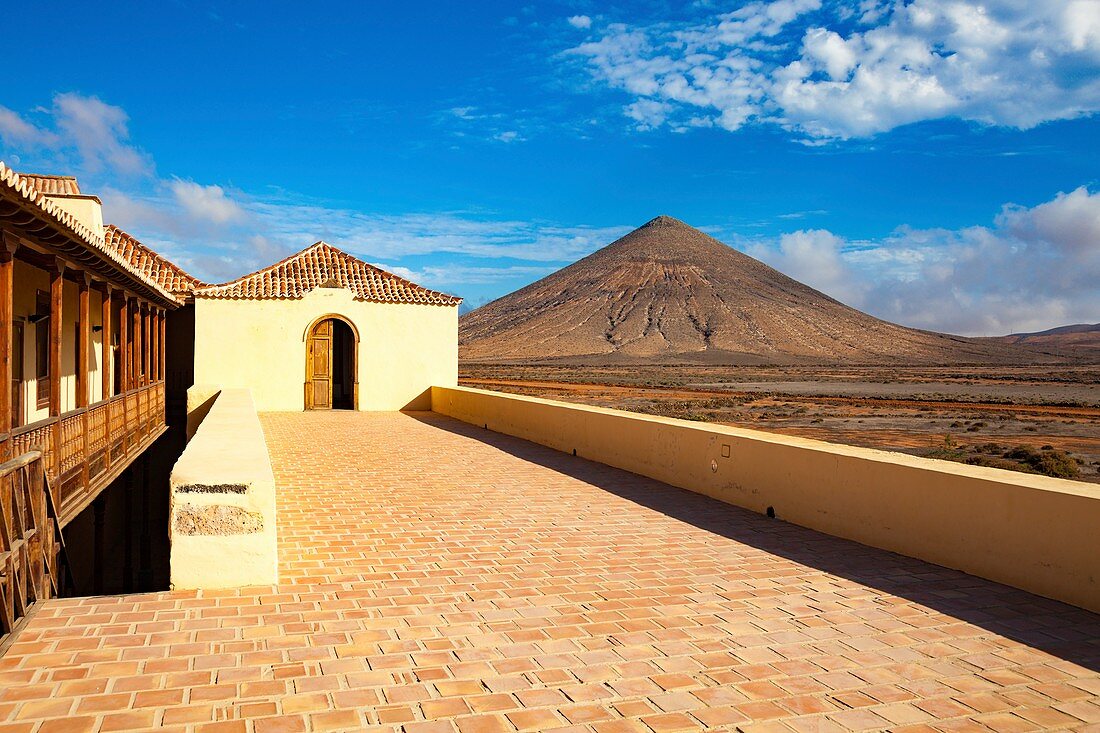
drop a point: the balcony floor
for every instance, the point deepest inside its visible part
(439, 577)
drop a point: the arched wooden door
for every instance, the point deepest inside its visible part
(319, 366)
(332, 364)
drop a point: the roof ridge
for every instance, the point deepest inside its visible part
(262, 270)
(305, 270)
(150, 262)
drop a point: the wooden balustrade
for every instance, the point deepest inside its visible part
(85, 449)
(33, 567)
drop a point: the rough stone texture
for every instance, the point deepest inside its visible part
(212, 489)
(439, 577)
(215, 519)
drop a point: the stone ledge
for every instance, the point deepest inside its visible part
(222, 523)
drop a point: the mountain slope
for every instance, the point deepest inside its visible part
(1080, 341)
(667, 292)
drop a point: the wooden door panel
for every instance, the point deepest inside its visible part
(319, 366)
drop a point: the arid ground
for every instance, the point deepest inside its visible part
(1022, 418)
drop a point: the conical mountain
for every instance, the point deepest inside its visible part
(667, 292)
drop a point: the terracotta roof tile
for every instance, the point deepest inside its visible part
(167, 274)
(52, 185)
(24, 189)
(315, 267)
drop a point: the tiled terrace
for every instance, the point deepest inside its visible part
(438, 577)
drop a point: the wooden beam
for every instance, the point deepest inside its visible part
(83, 386)
(107, 378)
(7, 268)
(83, 341)
(43, 235)
(105, 339)
(147, 352)
(135, 345)
(57, 293)
(123, 343)
(156, 344)
(163, 344)
(123, 365)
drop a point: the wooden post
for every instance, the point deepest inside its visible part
(105, 338)
(163, 345)
(158, 324)
(83, 387)
(57, 291)
(135, 362)
(107, 375)
(146, 354)
(135, 345)
(124, 366)
(84, 337)
(7, 267)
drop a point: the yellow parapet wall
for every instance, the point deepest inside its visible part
(1032, 532)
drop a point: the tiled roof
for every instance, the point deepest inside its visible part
(318, 266)
(24, 189)
(52, 185)
(167, 274)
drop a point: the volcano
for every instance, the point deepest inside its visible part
(669, 293)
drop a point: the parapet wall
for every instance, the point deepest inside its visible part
(1032, 532)
(222, 516)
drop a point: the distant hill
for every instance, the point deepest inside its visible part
(668, 293)
(1079, 341)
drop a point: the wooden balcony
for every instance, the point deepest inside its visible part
(84, 450)
(33, 565)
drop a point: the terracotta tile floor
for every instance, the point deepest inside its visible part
(438, 577)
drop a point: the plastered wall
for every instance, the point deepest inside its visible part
(1032, 532)
(260, 345)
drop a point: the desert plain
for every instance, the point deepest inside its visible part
(1039, 419)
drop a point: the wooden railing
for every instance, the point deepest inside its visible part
(85, 449)
(33, 566)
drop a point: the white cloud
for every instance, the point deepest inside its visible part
(580, 21)
(448, 275)
(1032, 269)
(814, 257)
(82, 134)
(206, 203)
(648, 113)
(221, 237)
(16, 131)
(1029, 269)
(808, 69)
(100, 133)
(508, 136)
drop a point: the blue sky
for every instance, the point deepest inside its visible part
(934, 162)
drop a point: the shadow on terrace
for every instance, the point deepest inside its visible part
(1056, 628)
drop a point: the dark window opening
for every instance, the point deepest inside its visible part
(42, 350)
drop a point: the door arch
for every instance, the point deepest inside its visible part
(332, 364)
